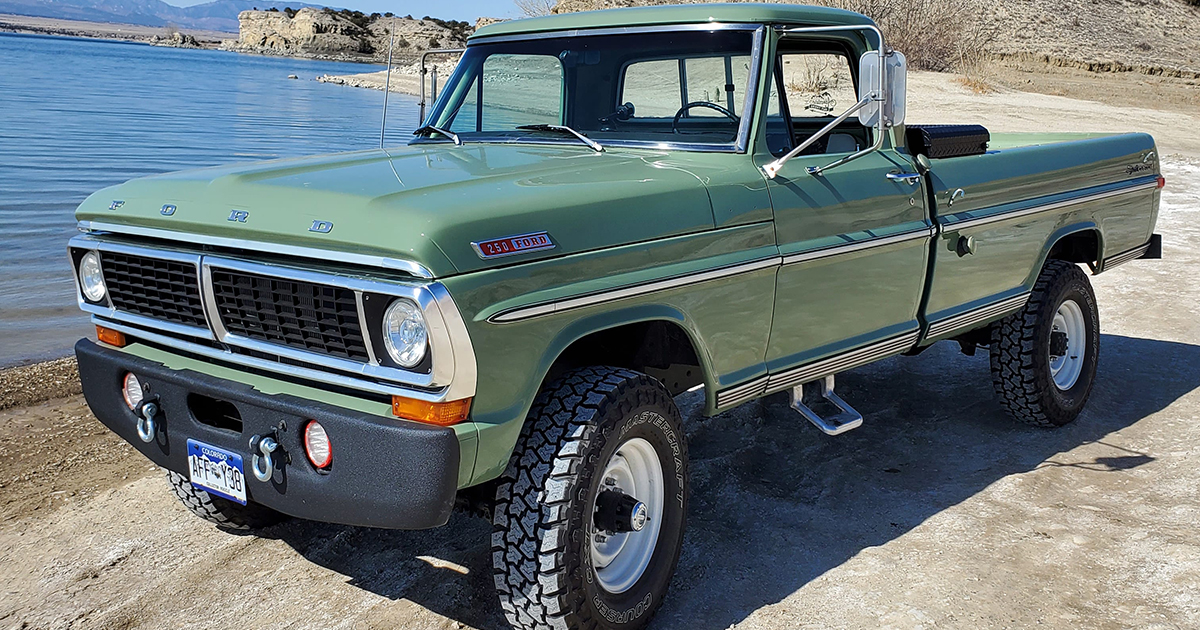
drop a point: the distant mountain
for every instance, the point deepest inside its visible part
(220, 15)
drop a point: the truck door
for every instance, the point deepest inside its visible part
(854, 239)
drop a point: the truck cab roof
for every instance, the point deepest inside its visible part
(753, 13)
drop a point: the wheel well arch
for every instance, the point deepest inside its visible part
(660, 347)
(1080, 243)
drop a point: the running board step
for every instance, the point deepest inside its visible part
(844, 420)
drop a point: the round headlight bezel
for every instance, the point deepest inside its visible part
(405, 333)
(91, 277)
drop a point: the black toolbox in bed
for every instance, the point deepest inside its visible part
(947, 141)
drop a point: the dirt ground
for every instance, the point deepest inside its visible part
(938, 513)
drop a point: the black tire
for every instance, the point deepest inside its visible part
(221, 512)
(546, 499)
(1020, 350)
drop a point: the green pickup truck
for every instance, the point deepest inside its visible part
(600, 212)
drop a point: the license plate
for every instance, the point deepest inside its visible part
(217, 471)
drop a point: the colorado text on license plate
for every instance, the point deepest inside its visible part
(217, 471)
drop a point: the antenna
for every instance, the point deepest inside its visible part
(387, 83)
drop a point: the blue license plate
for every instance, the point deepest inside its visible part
(217, 471)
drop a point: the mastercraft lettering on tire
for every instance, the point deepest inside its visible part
(573, 247)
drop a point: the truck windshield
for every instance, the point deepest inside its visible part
(663, 87)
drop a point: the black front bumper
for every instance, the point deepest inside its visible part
(388, 473)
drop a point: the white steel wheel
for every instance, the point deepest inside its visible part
(1068, 343)
(620, 558)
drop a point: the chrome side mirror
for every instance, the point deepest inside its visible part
(894, 91)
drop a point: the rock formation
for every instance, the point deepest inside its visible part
(344, 34)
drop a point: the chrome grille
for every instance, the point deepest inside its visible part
(168, 290)
(303, 315)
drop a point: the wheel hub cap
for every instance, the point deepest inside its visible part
(628, 516)
(1068, 336)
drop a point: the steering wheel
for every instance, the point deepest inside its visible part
(682, 110)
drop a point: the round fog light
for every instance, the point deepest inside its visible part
(316, 445)
(132, 391)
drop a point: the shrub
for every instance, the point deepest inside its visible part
(933, 34)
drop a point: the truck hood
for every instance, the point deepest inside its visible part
(424, 203)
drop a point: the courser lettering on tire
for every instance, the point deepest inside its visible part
(546, 499)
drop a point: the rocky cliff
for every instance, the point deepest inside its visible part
(326, 33)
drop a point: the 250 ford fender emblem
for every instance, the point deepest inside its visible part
(509, 245)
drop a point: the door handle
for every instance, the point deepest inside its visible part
(911, 178)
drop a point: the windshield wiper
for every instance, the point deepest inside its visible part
(428, 129)
(596, 146)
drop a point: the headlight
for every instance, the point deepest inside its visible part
(91, 279)
(404, 333)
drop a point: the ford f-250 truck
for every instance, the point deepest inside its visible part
(601, 211)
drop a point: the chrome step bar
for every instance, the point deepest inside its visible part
(845, 420)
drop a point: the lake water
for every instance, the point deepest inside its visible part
(77, 115)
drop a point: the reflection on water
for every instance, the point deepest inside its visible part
(79, 115)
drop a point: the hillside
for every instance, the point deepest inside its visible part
(1150, 36)
(344, 34)
(220, 15)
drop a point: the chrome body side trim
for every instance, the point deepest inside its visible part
(739, 394)
(824, 252)
(616, 30)
(738, 145)
(953, 226)
(842, 362)
(527, 312)
(1123, 257)
(976, 315)
(325, 255)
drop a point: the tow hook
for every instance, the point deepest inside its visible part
(261, 463)
(146, 426)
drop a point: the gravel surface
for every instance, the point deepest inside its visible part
(938, 512)
(32, 384)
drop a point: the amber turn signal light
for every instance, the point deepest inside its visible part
(442, 414)
(110, 336)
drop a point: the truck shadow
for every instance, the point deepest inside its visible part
(776, 503)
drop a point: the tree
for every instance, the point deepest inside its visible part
(537, 8)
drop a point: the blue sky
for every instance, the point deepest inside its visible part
(447, 9)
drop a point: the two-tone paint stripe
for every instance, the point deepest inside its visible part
(1131, 186)
(977, 315)
(538, 310)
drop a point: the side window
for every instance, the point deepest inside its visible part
(817, 85)
(659, 88)
(516, 90)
